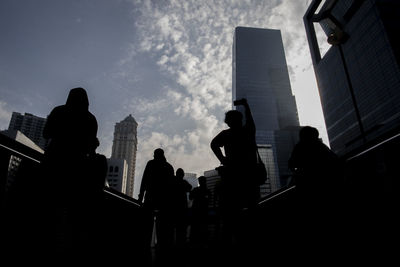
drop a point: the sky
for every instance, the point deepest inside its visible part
(168, 63)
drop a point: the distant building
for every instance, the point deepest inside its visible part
(125, 147)
(260, 74)
(192, 179)
(15, 161)
(31, 126)
(20, 137)
(359, 76)
(267, 156)
(213, 180)
(117, 174)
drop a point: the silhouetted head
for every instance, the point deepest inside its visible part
(78, 99)
(202, 180)
(159, 154)
(180, 173)
(308, 133)
(233, 118)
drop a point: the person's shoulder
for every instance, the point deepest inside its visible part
(150, 162)
(90, 115)
(58, 109)
(225, 133)
(196, 189)
(187, 185)
(168, 165)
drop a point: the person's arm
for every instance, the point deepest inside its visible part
(216, 148)
(48, 130)
(91, 141)
(143, 184)
(249, 117)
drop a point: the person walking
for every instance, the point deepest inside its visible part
(155, 193)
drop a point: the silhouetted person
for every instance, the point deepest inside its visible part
(71, 128)
(317, 173)
(199, 216)
(239, 188)
(316, 169)
(180, 206)
(74, 173)
(155, 193)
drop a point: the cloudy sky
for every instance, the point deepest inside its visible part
(168, 63)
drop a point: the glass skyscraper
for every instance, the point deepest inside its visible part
(260, 74)
(359, 75)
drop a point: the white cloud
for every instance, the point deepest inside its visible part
(163, 60)
(191, 41)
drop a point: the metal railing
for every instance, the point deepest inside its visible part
(370, 176)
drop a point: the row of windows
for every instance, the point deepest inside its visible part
(113, 169)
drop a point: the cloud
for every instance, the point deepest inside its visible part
(191, 43)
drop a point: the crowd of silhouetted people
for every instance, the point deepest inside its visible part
(73, 179)
(165, 194)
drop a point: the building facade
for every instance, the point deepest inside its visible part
(359, 76)
(31, 126)
(213, 181)
(117, 174)
(15, 161)
(125, 147)
(267, 156)
(260, 74)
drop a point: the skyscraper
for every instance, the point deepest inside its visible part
(30, 125)
(359, 75)
(125, 147)
(260, 74)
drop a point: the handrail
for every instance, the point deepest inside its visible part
(13, 147)
(388, 137)
(19, 149)
(374, 147)
(12, 151)
(122, 196)
(273, 195)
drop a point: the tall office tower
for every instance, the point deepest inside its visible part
(359, 75)
(260, 74)
(125, 147)
(117, 174)
(31, 126)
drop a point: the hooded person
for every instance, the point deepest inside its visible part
(73, 175)
(71, 128)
